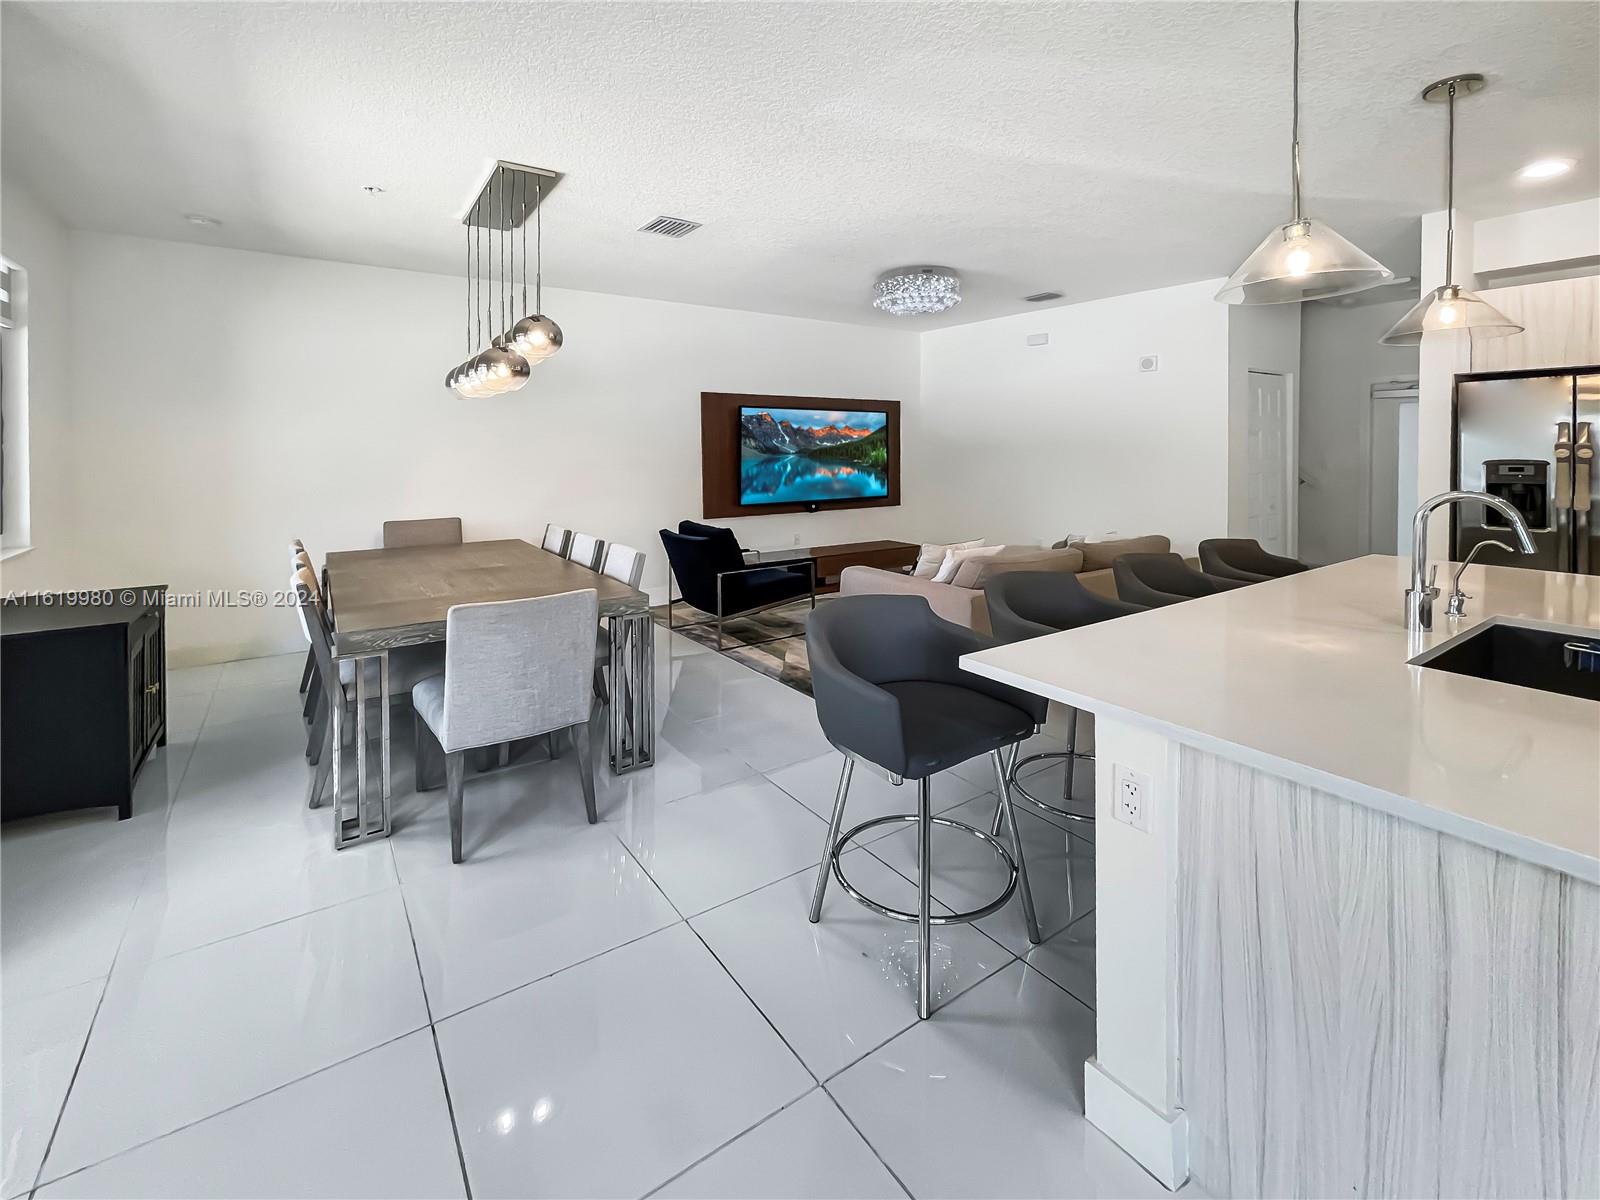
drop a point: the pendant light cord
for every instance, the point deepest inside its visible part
(522, 203)
(1294, 136)
(538, 245)
(1450, 190)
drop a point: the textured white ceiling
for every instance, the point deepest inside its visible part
(1089, 148)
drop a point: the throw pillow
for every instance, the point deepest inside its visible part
(932, 555)
(954, 558)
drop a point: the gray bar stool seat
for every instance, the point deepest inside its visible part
(1030, 604)
(1155, 580)
(1245, 559)
(890, 689)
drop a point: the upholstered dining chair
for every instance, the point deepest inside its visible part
(1154, 580)
(513, 669)
(586, 550)
(298, 558)
(1245, 559)
(430, 531)
(556, 538)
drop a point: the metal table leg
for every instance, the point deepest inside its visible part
(370, 819)
(631, 729)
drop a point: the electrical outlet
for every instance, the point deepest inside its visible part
(1131, 803)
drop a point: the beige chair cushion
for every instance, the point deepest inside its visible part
(931, 556)
(1097, 556)
(975, 572)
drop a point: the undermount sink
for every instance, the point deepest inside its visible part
(1566, 662)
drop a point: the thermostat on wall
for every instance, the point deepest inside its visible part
(1149, 362)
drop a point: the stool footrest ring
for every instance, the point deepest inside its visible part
(1023, 793)
(900, 914)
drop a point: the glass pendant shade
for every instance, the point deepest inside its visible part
(1303, 260)
(1449, 308)
(536, 338)
(505, 371)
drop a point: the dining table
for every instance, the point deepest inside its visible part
(385, 599)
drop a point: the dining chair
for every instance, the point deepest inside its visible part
(555, 539)
(623, 563)
(431, 531)
(512, 669)
(586, 550)
(299, 558)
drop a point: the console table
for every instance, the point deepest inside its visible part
(832, 560)
(82, 698)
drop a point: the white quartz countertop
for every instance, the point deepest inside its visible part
(1307, 677)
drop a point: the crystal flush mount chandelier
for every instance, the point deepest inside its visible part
(511, 194)
(1305, 259)
(916, 291)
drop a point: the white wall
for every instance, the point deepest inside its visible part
(1028, 444)
(1340, 360)
(231, 401)
(31, 237)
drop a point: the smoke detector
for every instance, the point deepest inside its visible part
(672, 227)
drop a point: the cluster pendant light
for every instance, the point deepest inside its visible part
(1304, 259)
(515, 346)
(1450, 307)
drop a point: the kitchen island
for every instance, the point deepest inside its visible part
(1349, 918)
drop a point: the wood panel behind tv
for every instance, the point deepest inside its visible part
(719, 452)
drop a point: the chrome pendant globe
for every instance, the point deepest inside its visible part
(536, 338)
(917, 291)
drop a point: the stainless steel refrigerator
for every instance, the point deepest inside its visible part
(1529, 437)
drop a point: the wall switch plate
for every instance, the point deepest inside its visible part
(1131, 802)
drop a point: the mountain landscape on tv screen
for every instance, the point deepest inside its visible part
(806, 455)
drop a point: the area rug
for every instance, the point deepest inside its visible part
(771, 642)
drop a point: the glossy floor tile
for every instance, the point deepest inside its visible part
(707, 849)
(1068, 958)
(842, 987)
(608, 1078)
(806, 1151)
(987, 1099)
(250, 1004)
(574, 896)
(181, 1038)
(40, 1041)
(376, 1125)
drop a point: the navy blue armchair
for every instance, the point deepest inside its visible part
(709, 569)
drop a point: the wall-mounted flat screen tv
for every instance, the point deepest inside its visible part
(812, 455)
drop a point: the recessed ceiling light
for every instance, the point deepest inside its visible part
(1545, 168)
(201, 220)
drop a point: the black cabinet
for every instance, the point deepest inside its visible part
(83, 698)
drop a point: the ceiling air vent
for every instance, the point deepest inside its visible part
(673, 227)
(1041, 297)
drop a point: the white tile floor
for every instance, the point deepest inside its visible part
(208, 1000)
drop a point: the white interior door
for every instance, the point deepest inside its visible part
(1405, 500)
(1272, 464)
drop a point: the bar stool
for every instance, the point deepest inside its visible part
(1245, 559)
(1154, 580)
(1030, 604)
(890, 689)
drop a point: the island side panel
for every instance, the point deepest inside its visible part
(1367, 1007)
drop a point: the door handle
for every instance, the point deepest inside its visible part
(1582, 466)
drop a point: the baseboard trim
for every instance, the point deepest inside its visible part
(1160, 1142)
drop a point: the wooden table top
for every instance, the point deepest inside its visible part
(399, 596)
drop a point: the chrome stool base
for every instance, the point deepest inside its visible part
(1024, 794)
(924, 820)
(900, 914)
